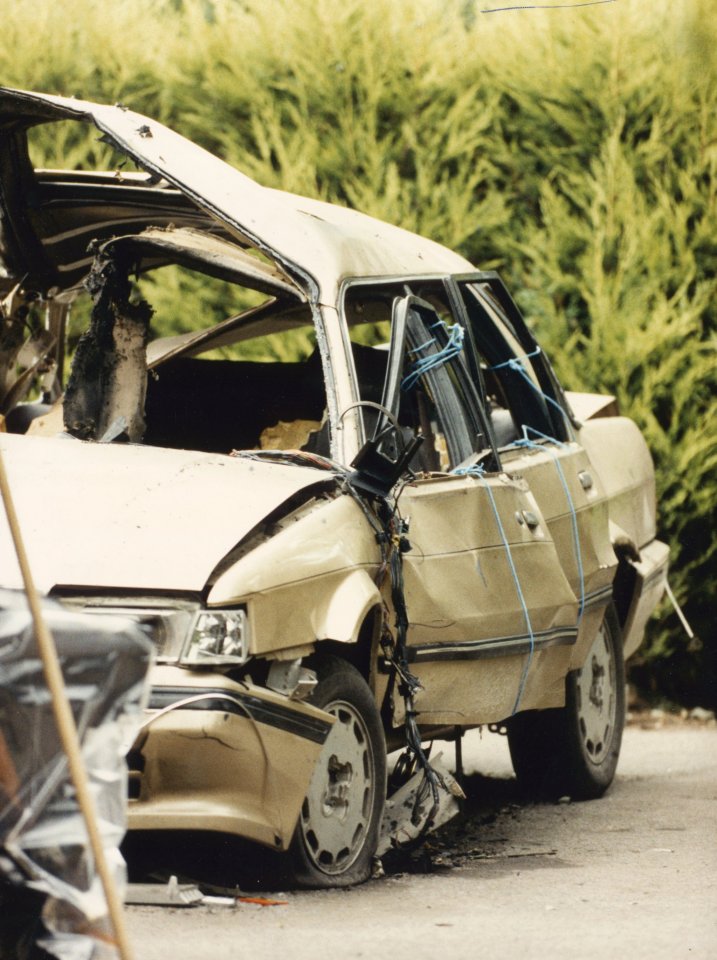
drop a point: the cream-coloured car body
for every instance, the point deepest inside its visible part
(313, 580)
(621, 458)
(509, 572)
(141, 518)
(249, 776)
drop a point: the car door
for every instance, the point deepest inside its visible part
(538, 440)
(486, 594)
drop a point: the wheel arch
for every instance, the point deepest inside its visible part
(624, 585)
(341, 615)
(360, 650)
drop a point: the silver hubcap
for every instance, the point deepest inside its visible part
(337, 809)
(596, 698)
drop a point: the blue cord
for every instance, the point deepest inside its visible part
(516, 365)
(516, 361)
(422, 365)
(478, 472)
(531, 445)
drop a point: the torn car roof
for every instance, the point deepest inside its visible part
(198, 250)
(317, 243)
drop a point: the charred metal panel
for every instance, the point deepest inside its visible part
(108, 383)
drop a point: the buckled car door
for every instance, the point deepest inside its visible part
(486, 594)
(538, 443)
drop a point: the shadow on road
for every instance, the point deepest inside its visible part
(481, 831)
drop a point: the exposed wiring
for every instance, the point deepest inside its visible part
(391, 535)
(549, 6)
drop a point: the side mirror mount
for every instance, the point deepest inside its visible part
(375, 471)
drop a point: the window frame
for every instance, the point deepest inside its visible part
(560, 418)
(470, 398)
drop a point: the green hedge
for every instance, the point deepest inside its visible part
(572, 149)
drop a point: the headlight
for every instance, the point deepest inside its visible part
(218, 636)
(184, 632)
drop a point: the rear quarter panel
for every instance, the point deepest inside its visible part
(620, 456)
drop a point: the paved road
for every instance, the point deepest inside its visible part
(633, 874)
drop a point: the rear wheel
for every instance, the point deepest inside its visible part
(575, 750)
(337, 833)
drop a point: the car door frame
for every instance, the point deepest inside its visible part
(559, 471)
(510, 648)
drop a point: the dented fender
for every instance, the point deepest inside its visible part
(312, 580)
(258, 753)
(339, 616)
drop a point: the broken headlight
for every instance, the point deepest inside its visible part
(182, 632)
(218, 636)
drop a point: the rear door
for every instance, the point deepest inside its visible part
(536, 436)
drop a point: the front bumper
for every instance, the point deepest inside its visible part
(218, 755)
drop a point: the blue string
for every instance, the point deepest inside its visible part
(478, 472)
(423, 364)
(516, 365)
(530, 444)
(516, 361)
(543, 436)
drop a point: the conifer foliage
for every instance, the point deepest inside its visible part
(575, 150)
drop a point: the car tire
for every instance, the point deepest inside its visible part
(574, 751)
(338, 828)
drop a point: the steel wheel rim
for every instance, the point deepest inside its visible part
(597, 698)
(336, 812)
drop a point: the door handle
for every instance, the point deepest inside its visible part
(530, 519)
(586, 480)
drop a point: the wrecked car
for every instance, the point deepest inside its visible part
(356, 515)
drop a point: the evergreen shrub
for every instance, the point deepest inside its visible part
(575, 150)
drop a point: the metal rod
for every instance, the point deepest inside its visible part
(678, 611)
(459, 755)
(65, 723)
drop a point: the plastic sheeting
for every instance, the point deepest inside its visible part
(51, 899)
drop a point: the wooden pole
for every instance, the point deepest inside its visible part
(65, 723)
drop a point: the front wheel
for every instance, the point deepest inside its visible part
(575, 750)
(337, 833)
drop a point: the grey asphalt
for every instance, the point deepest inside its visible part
(633, 874)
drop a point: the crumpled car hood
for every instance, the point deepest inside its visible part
(133, 517)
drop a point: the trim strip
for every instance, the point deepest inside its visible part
(505, 646)
(243, 705)
(488, 649)
(602, 595)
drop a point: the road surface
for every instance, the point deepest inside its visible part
(633, 874)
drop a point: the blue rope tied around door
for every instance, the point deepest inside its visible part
(532, 445)
(516, 365)
(478, 473)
